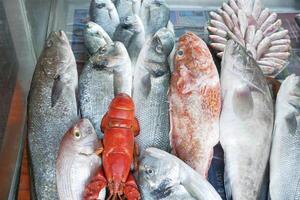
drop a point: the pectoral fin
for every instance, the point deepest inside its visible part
(242, 102)
(57, 89)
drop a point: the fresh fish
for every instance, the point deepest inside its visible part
(108, 72)
(52, 110)
(155, 14)
(164, 176)
(127, 7)
(195, 103)
(131, 32)
(297, 19)
(95, 37)
(246, 123)
(104, 13)
(285, 154)
(151, 85)
(77, 162)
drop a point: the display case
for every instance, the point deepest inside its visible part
(24, 25)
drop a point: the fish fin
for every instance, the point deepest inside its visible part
(57, 89)
(242, 102)
(291, 123)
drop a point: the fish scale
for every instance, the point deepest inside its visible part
(285, 154)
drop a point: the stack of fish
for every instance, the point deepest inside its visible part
(177, 108)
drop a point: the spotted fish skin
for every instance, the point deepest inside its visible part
(195, 103)
(151, 85)
(164, 176)
(285, 154)
(246, 123)
(52, 110)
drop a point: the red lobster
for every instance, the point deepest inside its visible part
(119, 150)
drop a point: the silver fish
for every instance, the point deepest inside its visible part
(164, 176)
(155, 14)
(95, 37)
(285, 154)
(104, 13)
(127, 7)
(246, 123)
(151, 85)
(77, 162)
(131, 32)
(52, 110)
(108, 72)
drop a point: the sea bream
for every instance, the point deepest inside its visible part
(131, 32)
(108, 72)
(95, 37)
(151, 85)
(246, 123)
(285, 153)
(164, 176)
(77, 161)
(127, 7)
(155, 14)
(52, 110)
(104, 13)
(195, 103)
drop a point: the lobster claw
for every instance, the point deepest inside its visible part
(96, 185)
(131, 191)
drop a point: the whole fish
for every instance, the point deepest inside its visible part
(108, 72)
(195, 103)
(155, 14)
(104, 13)
(95, 37)
(131, 32)
(52, 110)
(164, 176)
(127, 7)
(246, 123)
(285, 154)
(77, 162)
(151, 85)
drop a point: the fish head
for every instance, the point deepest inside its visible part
(95, 37)
(158, 171)
(81, 138)
(110, 56)
(55, 57)
(159, 48)
(132, 23)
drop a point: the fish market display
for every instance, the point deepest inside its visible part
(285, 154)
(254, 27)
(155, 14)
(164, 176)
(52, 110)
(195, 103)
(77, 161)
(131, 32)
(151, 85)
(119, 151)
(95, 37)
(104, 13)
(246, 123)
(108, 72)
(127, 7)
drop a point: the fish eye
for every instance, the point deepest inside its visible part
(180, 52)
(149, 171)
(103, 50)
(49, 43)
(98, 33)
(159, 48)
(77, 134)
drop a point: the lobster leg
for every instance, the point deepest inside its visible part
(99, 150)
(131, 190)
(95, 186)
